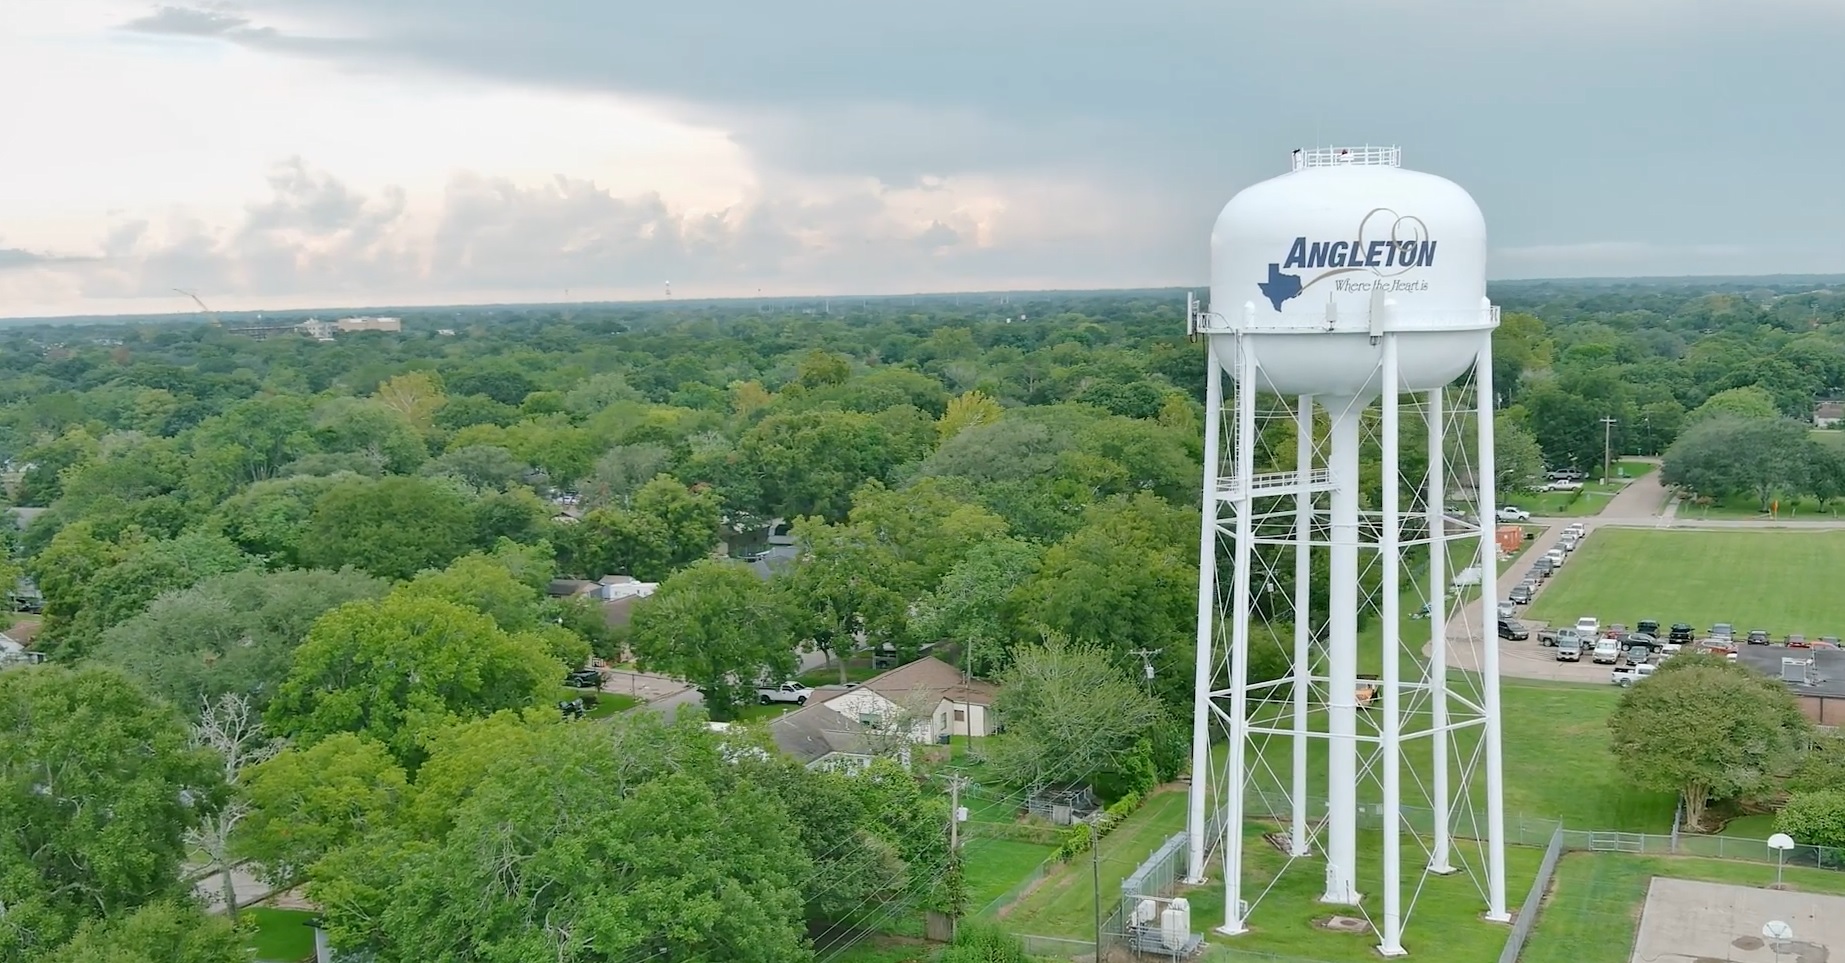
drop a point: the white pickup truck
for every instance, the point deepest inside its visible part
(1629, 674)
(786, 692)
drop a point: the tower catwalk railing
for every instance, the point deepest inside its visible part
(1412, 703)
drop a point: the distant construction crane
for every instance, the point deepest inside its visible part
(209, 313)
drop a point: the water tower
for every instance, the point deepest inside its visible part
(1348, 314)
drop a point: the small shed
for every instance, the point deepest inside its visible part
(1062, 805)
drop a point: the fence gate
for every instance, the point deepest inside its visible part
(1617, 842)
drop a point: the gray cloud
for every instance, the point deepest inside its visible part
(316, 237)
(1571, 121)
(13, 258)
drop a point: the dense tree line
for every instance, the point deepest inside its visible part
(346, 546)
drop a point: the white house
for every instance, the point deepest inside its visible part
(928, 692)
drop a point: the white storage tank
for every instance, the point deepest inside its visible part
(1305, 259)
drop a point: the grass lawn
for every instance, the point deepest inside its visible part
(1748, 506)
(1444, 923)
(1771, 580)
(996, 866)
(1064, 904)
(1557, 765)
(857, 670)
(280, 935)
(1555, 504)
(607, 704)
(1593, 911)
(1753, 826)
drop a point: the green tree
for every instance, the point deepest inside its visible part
(269, 519)
(1516, 454)
(392, 527)
(969, 603)
(1815, 818)
(165, 932)
(399, 668)
(688, 516)
(1071, 715)
(1746, 402)
(229, 633)
(621, 472)
(839, 592)
(98, 785)
(822, 368)
(1723, 456)
(810, 462)
(1705, 729)
(965, 411)
(309, 802)
(562, 850)
(716, 625)
(481, 467)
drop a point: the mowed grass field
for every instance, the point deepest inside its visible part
(1592, 913)
(1776, 580)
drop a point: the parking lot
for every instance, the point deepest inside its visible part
(1528, 659)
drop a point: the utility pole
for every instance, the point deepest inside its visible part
(1607, 433)
(954, 814)
(1095, 880)
(1146, 660)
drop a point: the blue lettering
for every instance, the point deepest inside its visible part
(1374, 255)
(1316, 258)
(1425, 255)
(1336, 258)
(1297, 254)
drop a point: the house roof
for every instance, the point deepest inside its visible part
(934, 676)
(1829, 409)
(814, 732)
(566, 587)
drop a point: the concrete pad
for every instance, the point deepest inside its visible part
(1687, 922)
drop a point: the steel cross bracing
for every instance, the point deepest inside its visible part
(1262, 539)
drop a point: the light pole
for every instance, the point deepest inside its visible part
(1607, 437)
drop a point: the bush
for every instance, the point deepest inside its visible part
(1815, 818)
(977, 941)
(1078, 838)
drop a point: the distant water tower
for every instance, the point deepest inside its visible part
(1348, 301)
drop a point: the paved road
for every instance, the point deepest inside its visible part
(668, 695)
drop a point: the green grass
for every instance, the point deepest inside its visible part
(857, 670)
(1748, 506)
(1064, 904)
(607, 704)
(279, 934)
(1593, 911)
(995, 866)
(1444, 923)
(1778, 581)
(1752, 826)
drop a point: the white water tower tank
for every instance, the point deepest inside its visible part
(1308, 259)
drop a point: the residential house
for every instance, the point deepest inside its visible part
(930, 694)
(821, 738)
(618, 594)
(1827, 414)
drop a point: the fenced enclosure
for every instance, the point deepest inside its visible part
(1161, 874)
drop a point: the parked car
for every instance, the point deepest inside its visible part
(1616, 630)
(1641, 638)
(1541, 569)
(1758, 637)
(1507, 609)
(1651, 627)
(1639, 655)
(1522, 592)
(1556, 557)
(1723, 632)
(1607, 652)
(1798, 641)
(1588, 626)
(1512, 629)
(584, 679)
(1569, 650)
(1513, 514)
(1629, 674)
(786, 692)
(1680, 634)
(1558, 636)
(1826, 642)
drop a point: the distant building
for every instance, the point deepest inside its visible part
(346, 325)
(1828, 414)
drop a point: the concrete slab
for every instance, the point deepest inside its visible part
(1687, 922)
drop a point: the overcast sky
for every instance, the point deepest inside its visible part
(274, 153)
